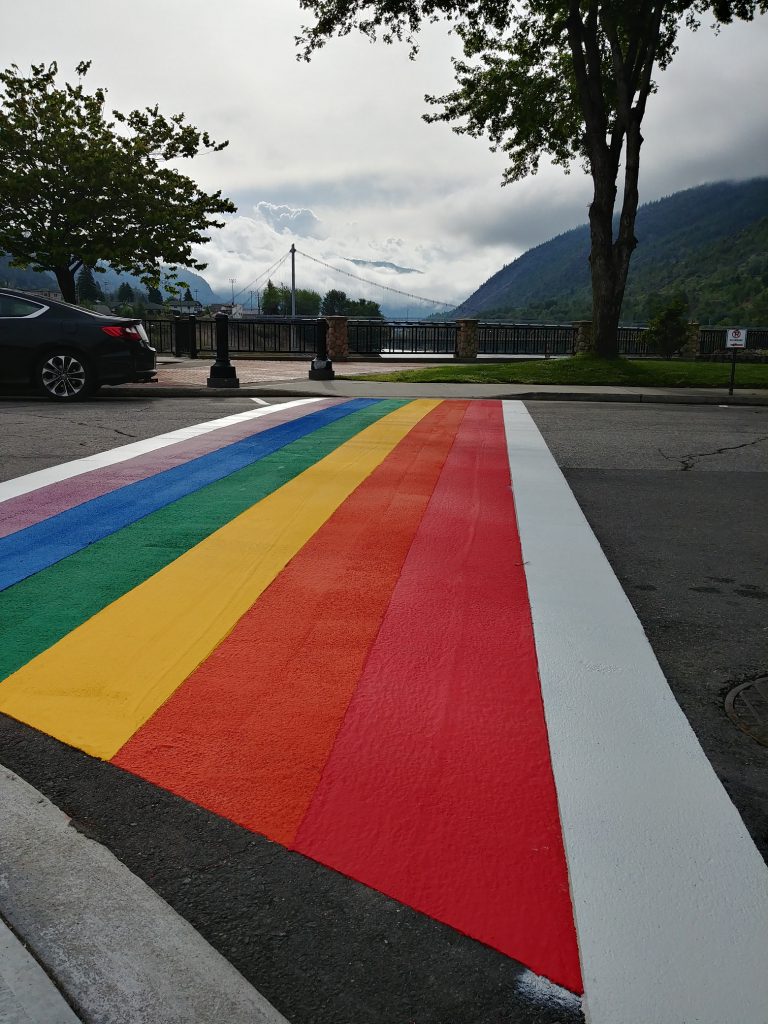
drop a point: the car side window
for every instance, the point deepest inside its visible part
(10, 306)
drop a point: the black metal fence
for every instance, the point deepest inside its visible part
(401, 337)
(525, 339)
(285, 336)
(712, 339)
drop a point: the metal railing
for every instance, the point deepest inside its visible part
(161, 335)
(525, 339)
(712, 339)
(401, 337)
(299, 337)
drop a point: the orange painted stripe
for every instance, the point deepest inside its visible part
(248, 734)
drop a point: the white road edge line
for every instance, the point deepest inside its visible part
(670, 894)
(67, 470)
(259, 401)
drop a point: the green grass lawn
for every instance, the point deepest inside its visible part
(586, 370)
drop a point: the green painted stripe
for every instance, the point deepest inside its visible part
(39, 611)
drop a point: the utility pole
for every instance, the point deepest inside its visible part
(293, 280)
(232, 283)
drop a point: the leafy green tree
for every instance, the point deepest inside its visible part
(154, 296)
(567, 79)
(271, 300)
(334, 303)
(125, 293)
(668, 328)
(363, 308)
(77, 186)
(88, 290)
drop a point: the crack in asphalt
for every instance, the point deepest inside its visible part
(687, 462)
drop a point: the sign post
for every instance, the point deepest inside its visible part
(735, 339)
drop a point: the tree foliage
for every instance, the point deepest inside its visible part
(88, 290)
(276, 301)
(563, 79)
(668, 328)
(334, 303)
(338, 303)
(79, 184)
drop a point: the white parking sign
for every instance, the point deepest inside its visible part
(736, 338)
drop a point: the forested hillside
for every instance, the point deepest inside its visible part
(709, 242)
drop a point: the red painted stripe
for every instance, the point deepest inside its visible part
(248, 734)
(439, 790)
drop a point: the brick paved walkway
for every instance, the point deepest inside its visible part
(194, 372)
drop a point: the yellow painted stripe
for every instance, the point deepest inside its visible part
(100, 683)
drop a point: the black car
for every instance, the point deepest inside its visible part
(68, 352)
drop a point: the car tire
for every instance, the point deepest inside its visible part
(65, 376)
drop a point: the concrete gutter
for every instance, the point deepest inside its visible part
(116, 951)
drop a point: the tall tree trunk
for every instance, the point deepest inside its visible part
(609, 259)
(607, 290)
(65, 278)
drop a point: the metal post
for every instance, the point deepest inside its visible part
(178, 335)
(294, 344)
(321, 367)
(192, 336)
(222, 372)
(733, 370)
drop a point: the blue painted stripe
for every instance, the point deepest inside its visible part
(37, 547)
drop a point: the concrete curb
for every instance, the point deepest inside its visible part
(116, 950)
(368, 391)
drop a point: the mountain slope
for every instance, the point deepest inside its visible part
(710, 242)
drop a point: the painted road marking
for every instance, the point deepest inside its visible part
(251, 749)
(439, 790)
(42, 609)
(125, 666)
(438, 787)
(44, 477)
(42, 545)
(35, 506)
(669, 892)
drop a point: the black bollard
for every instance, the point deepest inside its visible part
(321, 367)
(222, 372)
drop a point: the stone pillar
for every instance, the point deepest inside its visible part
(466, 339)
(338, 341)
(690, 349)
(585, 343)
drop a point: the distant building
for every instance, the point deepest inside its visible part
(235, 311)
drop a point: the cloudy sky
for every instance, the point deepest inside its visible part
(333, 155)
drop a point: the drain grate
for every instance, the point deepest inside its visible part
(747, 706)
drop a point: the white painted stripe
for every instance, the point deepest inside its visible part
(259, 401)
(670, 893)
(52, 475)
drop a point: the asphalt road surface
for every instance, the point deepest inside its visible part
(677, 499)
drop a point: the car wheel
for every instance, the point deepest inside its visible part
(65, 376)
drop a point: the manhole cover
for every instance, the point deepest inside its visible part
(747, 706)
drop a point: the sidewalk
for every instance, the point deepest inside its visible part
(118, 953)
(187, 378)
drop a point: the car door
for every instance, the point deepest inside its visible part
(22, 332)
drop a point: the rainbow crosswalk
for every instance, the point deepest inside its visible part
(333, 623)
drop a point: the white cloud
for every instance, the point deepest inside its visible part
(285, 220)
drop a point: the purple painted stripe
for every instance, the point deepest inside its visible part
(35, 506)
